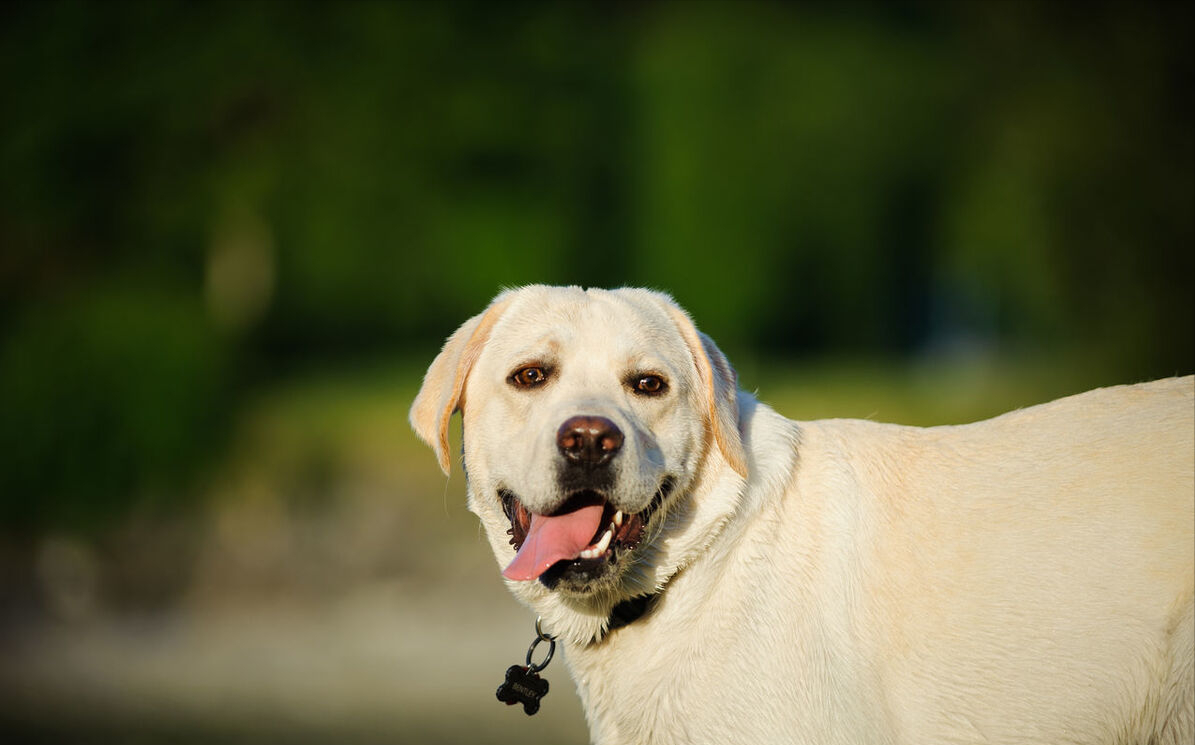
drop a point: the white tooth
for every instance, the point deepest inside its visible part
(618, 518)
(600, 547)
(603, 544)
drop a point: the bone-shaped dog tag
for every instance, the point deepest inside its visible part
(522, 686)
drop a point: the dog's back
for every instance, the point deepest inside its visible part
(1031, 578)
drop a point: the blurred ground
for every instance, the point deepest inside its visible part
(333, 588)
(391, 663)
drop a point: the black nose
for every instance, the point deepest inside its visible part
(588, 440)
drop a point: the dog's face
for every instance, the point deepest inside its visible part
(591, 420)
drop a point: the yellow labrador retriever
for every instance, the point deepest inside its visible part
(720, 574)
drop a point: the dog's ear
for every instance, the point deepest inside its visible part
(721, 390)
(444, 384)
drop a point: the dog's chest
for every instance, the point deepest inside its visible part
(721, 677)
(635, 691)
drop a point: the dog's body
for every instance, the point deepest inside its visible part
(1029, 579)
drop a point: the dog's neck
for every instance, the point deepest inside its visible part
(629, 611)
(695, 533)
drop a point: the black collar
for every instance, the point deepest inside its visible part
(629, 611)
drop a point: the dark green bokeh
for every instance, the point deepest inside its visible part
(199, 198)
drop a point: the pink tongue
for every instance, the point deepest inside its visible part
(553, 539)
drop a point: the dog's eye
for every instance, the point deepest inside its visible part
(649, 385)
(529, 377)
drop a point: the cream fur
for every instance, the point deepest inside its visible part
(1028, 579)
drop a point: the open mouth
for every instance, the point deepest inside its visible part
(583, 537)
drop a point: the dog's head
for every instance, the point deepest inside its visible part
(602, 445)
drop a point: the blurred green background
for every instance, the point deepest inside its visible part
(232, 236)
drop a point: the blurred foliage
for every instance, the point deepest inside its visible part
(198, 197)
(102, 393)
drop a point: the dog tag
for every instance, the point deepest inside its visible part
(524, 687)
(523, 684)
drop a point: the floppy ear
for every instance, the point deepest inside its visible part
(444, 384)
(721, 390)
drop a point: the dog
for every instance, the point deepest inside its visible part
(717, 573)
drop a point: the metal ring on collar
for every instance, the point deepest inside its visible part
(540, 637)
(539, 630)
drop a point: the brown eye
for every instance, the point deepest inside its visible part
(529, 377)
(649, 385)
